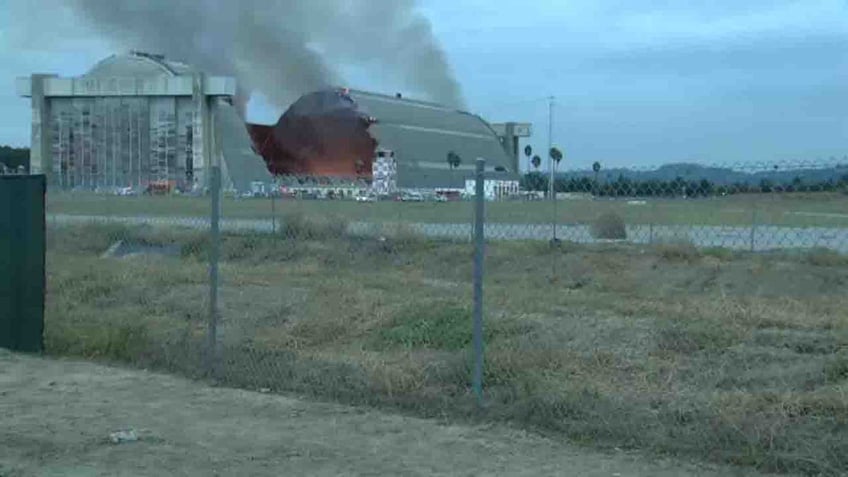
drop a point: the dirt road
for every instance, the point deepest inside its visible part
(56, 418)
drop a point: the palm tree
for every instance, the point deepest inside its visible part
(536, 161)
(556, 155)
(454, 160)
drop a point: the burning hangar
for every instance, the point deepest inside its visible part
(139, 120)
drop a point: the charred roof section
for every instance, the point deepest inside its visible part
(323, 133)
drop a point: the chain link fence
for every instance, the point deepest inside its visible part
(682, 308)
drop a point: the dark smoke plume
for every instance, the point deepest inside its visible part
(283, 48)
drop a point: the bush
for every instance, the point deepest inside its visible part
(298, 226)
(678, 252)
(822, 257)
(609, 226)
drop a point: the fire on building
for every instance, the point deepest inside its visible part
(337, 132)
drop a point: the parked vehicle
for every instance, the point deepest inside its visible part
(160, 187)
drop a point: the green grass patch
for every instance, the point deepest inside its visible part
(794, 210)
(445, 326)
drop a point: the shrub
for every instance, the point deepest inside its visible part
(721, 253)
(609, 226)
(822, 257)
(298, 226)
(678, 252)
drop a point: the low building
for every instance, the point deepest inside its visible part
(494, 189)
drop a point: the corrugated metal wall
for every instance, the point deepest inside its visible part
(115, 142)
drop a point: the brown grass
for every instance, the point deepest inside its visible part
(679, 251)
(609, 226)
(729, 357)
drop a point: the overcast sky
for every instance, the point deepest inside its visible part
(637, 82)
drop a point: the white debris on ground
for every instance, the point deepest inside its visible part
(123, 437)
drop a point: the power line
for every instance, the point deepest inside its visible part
(517, 102)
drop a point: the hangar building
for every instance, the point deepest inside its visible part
(138, 119)
(336, 132)
(134, 120)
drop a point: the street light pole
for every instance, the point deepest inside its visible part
(551, 145)
(551, 185)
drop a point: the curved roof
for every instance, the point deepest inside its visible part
(421, 134)
(334, 132)
(138, 65)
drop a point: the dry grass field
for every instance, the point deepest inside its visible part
(707, 354)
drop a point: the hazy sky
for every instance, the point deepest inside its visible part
(637, 82)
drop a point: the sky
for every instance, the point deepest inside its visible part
(636, 82)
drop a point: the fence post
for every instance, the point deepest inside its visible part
(214, 252)
(652, 220)
(554, 239)
(753, 228)
(479, 256)
(273, 214)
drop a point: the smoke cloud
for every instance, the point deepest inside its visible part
(284, 48)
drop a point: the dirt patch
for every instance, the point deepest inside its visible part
(56, 418)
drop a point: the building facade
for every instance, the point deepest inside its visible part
(384, 180)
(510, 135)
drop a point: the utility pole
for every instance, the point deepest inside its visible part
(551, 188)
(551, 145)
(479, 259)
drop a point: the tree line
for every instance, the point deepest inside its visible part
(679, 187)
(13, 157)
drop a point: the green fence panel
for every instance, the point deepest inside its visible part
(22, 274)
